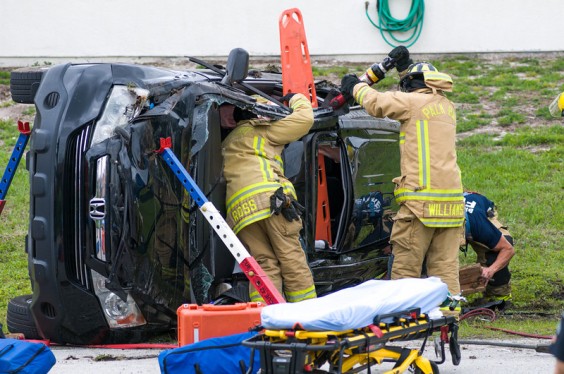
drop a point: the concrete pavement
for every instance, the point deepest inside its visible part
(475, 359)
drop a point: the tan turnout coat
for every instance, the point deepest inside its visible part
(253, 165)
(430, 183)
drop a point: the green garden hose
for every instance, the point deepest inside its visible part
(390, 25)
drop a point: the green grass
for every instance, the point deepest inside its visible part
(14, 279)
(471, 121)
(5, 78)
(510, 87)
(30, 111)
(524, 324)
(523, 174)
(336, 70)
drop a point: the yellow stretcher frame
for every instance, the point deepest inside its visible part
(350, 351)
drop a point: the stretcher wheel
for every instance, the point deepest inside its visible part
(454, 348)
(434, 367)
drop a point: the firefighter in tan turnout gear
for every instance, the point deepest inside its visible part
(429, 190)
(261, 203)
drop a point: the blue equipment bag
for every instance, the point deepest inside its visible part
(23, 357)
(224, 355)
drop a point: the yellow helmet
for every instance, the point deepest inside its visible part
(556, 108)
(424, 74)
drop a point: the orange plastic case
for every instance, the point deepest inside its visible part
(196, 323)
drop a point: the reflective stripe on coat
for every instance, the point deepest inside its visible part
(253, 166)
(430, 183)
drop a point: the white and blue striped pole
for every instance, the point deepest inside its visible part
(248, 264)
(17, 154)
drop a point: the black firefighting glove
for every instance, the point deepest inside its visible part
(286, 98)
(347, 84)
(401, 56)
(294, 211)
(282, 203)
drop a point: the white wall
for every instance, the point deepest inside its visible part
(46, 29)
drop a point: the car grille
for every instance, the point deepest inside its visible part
(75, 205)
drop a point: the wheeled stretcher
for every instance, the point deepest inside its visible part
(353, 329)
(351, 351)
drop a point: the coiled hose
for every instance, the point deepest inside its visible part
(490, 315)
(388, 25)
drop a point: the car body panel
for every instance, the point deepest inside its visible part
(115, 208)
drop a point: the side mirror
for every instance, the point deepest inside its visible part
(237, 66)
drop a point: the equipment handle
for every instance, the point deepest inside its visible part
(218, 308)
(236, 306)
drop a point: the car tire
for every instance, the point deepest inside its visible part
(24, 85)
(19, 318)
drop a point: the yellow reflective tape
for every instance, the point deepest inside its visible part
(255, 296)
(255, 217)
(435, 191)
(443, 209)
(258, 144)
(400, 199)
(403, 194)
(442, 222)
(404, 197)
(280, 162)
(435, 75)
(256, 189)
(289, 189)
(427, 165)
(295, 296)
(402, 137)
(300, 292)
(423, 153)
(360, 94)
(252, 189)
(430, 193)
(419, 153)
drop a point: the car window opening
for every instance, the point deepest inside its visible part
(330, 196)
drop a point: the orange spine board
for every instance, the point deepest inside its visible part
(297, 76)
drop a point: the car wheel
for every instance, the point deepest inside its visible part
(19, 318)
(24, 85)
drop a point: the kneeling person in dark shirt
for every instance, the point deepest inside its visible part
(493, 245)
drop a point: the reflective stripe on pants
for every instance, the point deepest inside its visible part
(274, 243)
(412, 241)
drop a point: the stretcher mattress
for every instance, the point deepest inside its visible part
(356, 307)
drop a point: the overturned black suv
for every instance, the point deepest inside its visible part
(115, 243)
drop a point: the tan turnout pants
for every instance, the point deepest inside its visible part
(412, 241)
(275, 245)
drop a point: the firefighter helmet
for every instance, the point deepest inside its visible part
(556, 108)
(424, 74)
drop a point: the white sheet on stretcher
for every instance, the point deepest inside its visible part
(356, 307)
